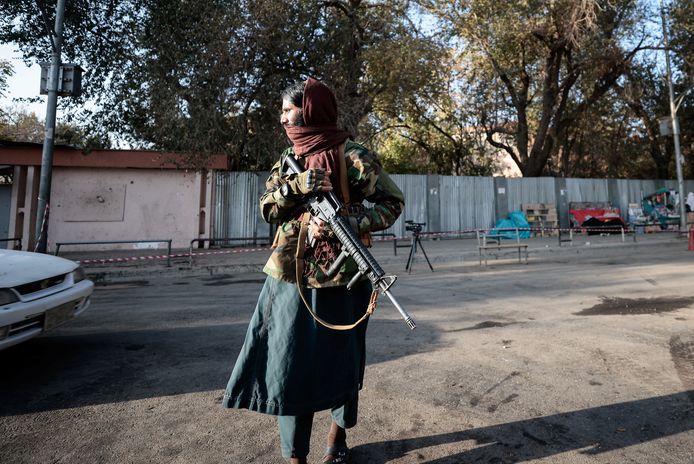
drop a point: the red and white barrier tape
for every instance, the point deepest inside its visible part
(377, 239)
(504, 230)
(177, 255)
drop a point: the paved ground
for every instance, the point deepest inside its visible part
(584, 355)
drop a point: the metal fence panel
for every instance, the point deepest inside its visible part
(414, 187)
(451, 210)
(530, 190)
(236, 206)
(483, 189)
(465, 202)
(221, 202)
(582, 190)
(625, 195)
(646, 187)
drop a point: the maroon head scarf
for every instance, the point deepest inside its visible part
(318, 141)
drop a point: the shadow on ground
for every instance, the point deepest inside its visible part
(592, 431)
(65, 370)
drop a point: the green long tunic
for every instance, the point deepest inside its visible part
(289, 364)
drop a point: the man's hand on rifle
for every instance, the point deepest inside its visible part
(310, 181)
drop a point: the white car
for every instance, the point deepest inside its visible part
(38, 292)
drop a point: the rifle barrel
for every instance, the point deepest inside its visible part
(403, 313)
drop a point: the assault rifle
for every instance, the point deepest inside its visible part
(327, 206)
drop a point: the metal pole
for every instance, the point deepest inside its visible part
(43, 207)
(675, 123)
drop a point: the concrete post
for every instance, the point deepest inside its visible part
(433, 204)
(500, 198)
(561, 193)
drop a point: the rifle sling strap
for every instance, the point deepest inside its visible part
(300, 248)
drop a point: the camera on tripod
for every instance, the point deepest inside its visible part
(414, 226)
(415, 242)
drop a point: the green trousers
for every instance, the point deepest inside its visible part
(295, 431)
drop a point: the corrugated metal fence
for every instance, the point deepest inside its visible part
(235, 197)
(445, 203)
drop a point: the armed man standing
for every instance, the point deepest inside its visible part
(293, 361)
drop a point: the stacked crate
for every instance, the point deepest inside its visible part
(541, 215)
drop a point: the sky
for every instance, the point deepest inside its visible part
(24, 83)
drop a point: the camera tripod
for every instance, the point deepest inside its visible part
(415, 228)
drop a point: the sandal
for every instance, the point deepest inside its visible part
(336, 455)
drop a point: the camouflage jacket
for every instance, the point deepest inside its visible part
(367, 181)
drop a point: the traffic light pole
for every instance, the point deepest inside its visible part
(43, 207)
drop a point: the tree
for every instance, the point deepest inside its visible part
(375, 55)
(20, 125)
(97, 36)
(395, 85)
(646, 96)
(620, 135)
(540, 66)
(205, 77)
(192, 77)
(682, 31)
(682, 43)
(6, 72)
(431, 130)
(610, 140)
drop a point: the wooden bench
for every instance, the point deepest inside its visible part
(486, 242)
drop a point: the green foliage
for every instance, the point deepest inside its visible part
(619, 136)
(204, 78)
(397, 155)
(6, 72)
(682, 32)
(432, 131)
(563, 87)
(19, 125)
(539, 66)
(682, 42)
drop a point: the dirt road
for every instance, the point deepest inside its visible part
(573, 358)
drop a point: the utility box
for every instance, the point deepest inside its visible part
(69, 79)
(665, 125)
